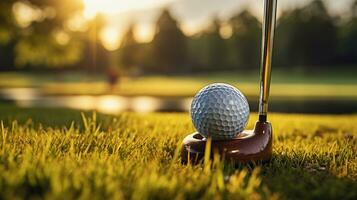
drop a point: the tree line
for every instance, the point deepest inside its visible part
(307, 38)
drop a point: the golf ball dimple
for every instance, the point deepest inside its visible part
(219, 110)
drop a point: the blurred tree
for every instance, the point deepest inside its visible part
(216, 46)
(306, 36)
(354, 9)
(7, 33)
(7, 57)
(245, 40)
(44, 39)
(144, 59)
(95, 56)
(169, 44)
(348, 38)
(129, 50)
(207, 49)
(197, 52)
(6, 21)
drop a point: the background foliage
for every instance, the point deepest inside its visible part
(307, 37)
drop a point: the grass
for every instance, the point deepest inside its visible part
(329, 84)
(59, 154)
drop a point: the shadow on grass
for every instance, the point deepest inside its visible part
(292, 178)
(50, 117)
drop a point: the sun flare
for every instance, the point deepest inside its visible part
(110, 38)
(92, 7)
(110, 35)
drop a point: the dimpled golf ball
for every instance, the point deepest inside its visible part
(220, 111)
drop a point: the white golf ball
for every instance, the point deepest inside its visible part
(220, 111)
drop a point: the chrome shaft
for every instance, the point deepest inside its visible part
(269, 20)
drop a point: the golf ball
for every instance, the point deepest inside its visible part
(219, 110)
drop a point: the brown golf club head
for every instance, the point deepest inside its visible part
(249, 146)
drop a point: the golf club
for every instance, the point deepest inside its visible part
(250, 145)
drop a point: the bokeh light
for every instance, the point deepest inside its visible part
(110, 38)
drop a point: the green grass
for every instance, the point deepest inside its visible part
(325, 84)
(58, 154)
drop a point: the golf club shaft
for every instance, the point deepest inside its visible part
(267, 49)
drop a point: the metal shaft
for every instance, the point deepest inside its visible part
(267, 49)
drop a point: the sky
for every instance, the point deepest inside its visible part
(193, 15)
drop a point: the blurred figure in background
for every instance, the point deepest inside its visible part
(113, 78)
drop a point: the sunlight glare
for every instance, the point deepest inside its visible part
(144, 33)
(190, 28)
(110, 38)
(226, 31)
(83, 102)
(77, 23)
(145, 104)
(110, 104)
(92, 7)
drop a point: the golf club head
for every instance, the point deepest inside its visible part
(249, 146)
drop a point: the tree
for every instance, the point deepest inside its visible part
(207, 49)
(169, 44)
(245, 40)
(7, 31)
(7, 22)
(348, 38)
(38, 37)
(95, 56)
(354, 9)
(129, 49)
(46, 41)
(216, 46)
(306, 36)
